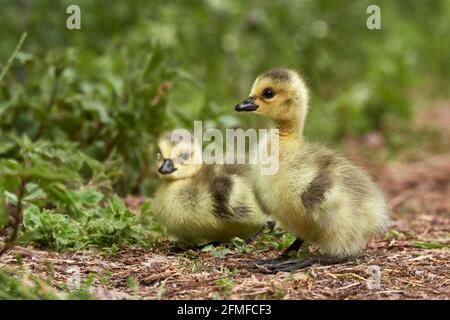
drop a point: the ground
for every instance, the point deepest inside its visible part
(412, 257)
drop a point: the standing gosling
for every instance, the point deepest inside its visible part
(199, 203)
(317, 194)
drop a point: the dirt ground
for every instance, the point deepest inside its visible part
(410, 268)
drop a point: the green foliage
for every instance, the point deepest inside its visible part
(68, 198)
(226, 284)
(161, 291)
(106, 104)
(48, 229)
(240, 245)
(217, 251)
(4, 214)
(276, 239)
(109, 226)
(27, 286)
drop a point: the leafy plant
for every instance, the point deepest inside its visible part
(67, 198)
(226, 284)
(23, 285)
(217, 251)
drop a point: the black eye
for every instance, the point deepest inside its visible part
(268, 93)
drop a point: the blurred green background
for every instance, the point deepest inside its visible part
(80, 109)
(138, 67)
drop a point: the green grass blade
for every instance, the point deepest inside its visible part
(13, 55)
(430, 245)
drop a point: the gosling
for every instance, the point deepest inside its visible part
(201, 204)
(317, 194)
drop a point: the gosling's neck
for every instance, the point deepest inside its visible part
(172, 181)
(290, 130)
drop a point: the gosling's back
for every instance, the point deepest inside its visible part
(216, 205)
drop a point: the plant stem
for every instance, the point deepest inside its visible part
(13, 55)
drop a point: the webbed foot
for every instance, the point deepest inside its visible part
(295, 246)
(301, 263)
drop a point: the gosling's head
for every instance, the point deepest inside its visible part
(176, 156)
(278, 93)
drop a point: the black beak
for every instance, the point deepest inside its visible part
(167, 167)
(247, 105)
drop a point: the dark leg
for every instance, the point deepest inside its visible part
(270, 225)
(301, 263)
(256, 235)
(295, 246)
(180, 248)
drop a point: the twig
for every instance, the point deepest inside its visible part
(16, 220)
(348, 275)
(349, 286)
(27, 252)
(391, 291)
(162, 88)
(256, 292)
(421, 258)
(411, 283)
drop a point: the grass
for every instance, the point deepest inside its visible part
(432, 245)
(24, 285)
(226, 284)
(13, 56)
